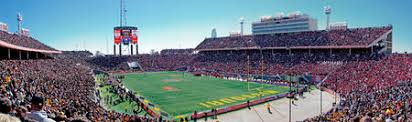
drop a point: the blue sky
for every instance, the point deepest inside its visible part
(79, 24)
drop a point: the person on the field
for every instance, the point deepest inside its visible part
(268, 107)
(215, 114)
(205, 116)
(248, 105)
(194, 117)
(186, 119)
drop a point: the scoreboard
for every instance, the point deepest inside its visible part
(125, 35)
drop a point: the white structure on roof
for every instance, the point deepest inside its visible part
(214, 33)
(338, 26)
(234, 33)
(293, 22)
(4, 27)
(25, 32)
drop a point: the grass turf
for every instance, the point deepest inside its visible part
(179, 93)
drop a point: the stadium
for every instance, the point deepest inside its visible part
(336, 74)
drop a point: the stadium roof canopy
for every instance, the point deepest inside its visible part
(321, 39)
(24, 43)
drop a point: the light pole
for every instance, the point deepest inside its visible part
(336, 89)
(321, 90)
(290, 98)
(290, 86)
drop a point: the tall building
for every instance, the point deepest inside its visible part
(293, 22)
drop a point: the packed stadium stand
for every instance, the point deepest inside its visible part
(39, 83)
(358, 64)
(15, 46)
(296, 40)
(177, 51)
(372, 90)
(286, 52)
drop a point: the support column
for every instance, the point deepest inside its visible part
(8, 53)
(350, 51)
(330, 52)
(310, 52)
(131, 49)
(37, 55)
(114, 49)
(290, 51)
(20, 55)
(137, 49)
(27, 55)
(120, 49)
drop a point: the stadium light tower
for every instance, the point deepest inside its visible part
(19, 22)
(124, 34)
(121, 13)
(242, 20)
(328, 11)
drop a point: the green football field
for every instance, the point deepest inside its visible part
(178, 93)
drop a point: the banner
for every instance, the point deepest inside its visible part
(135, 39)
(117, 36)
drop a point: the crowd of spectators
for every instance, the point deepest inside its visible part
(187, 51)
(277, 63)
(69, 88)
(109, 63)
(377, 89)
(148, 62)
(23, 41)
(347, 37)
(373, 90)
(163, 62)
(56, 89)
(82, 55)
(372, 87)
